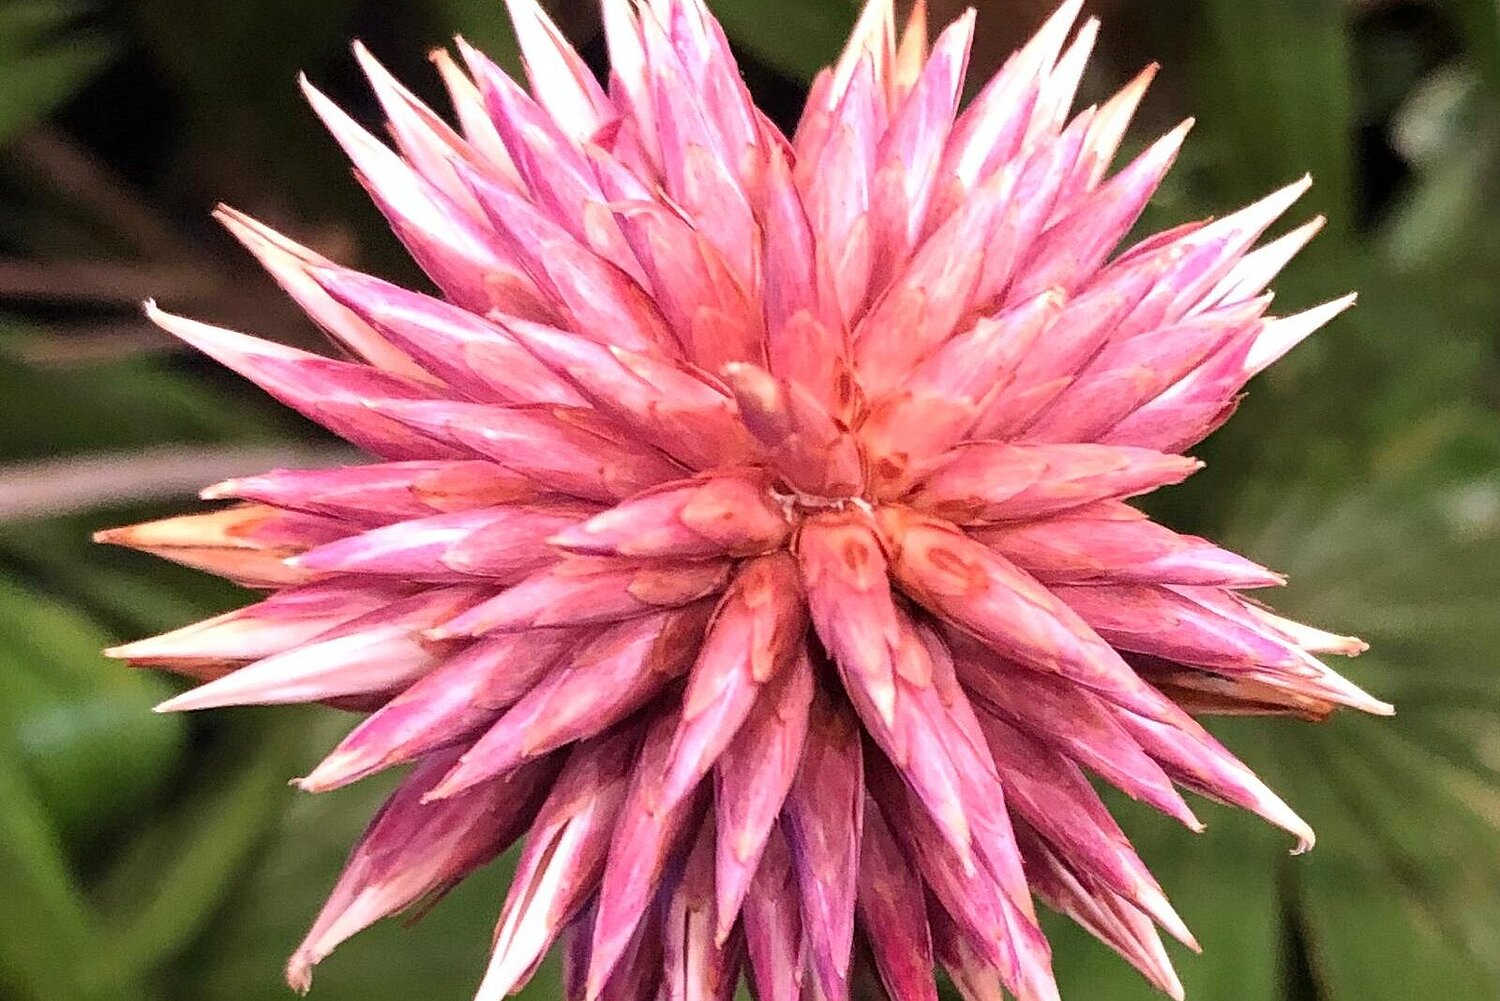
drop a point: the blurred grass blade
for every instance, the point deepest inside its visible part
(90, 482)
(177, 873)
(83, 732)
(800, 38)
(485, 25)
(45, 924)
(1378, 920)
(1480, 20)
(1281, 71)
(45, 59)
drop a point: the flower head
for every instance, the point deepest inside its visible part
(748, 531)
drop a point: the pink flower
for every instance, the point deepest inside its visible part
(748, 529)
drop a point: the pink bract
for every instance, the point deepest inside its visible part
(747, 530)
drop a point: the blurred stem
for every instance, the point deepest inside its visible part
(84, 183)
(85, 483)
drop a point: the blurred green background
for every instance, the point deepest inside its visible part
(158, 858)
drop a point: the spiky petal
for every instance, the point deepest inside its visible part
(748, 524)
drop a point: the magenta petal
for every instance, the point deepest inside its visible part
(823, 816)
(893, 912)
(584, 591)
(563, 860)
(1076, 722)
(591, 689)
(798, 461)
(651, 833)
(1110, 542)
(773, 924)
(382, 492)
(755, 633)
(413, 849)
(983, 594)
(752, 778)
(697, 965)
(451, 705)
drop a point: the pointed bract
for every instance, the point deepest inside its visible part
(748, 524)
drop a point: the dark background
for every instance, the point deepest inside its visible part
(149, 858)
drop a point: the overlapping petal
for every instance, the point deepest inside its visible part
(747, 525)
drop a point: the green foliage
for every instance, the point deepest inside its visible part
(45, 59)
(801, 38)
(1278, 88)
(477, 22)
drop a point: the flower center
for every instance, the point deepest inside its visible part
(796, 505)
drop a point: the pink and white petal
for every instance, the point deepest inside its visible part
(466, 352)
(998, 481)
(1102, 913)
(288, 618)
(375, 652)
(503, 543)
(568, 449)
(583, 591)
(712, 515)
(247, 543)
(823, 820)
(413, 849)
(331, 393)
(292, 265)
(751, 780)
(1053, 796)
(849, 598)
(588, 692)
(453, 704)
(563, 861)
(560, 80)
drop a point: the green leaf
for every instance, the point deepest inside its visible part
(81, 729)
(130, 593)
(1278, 74)
(799, 39)
(46, 61)
(46, 927)
(486, 26)
(441, 956)
(183, 868)
(131, 404)
(1375, 920)
(191, 41)
(1480, 20)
